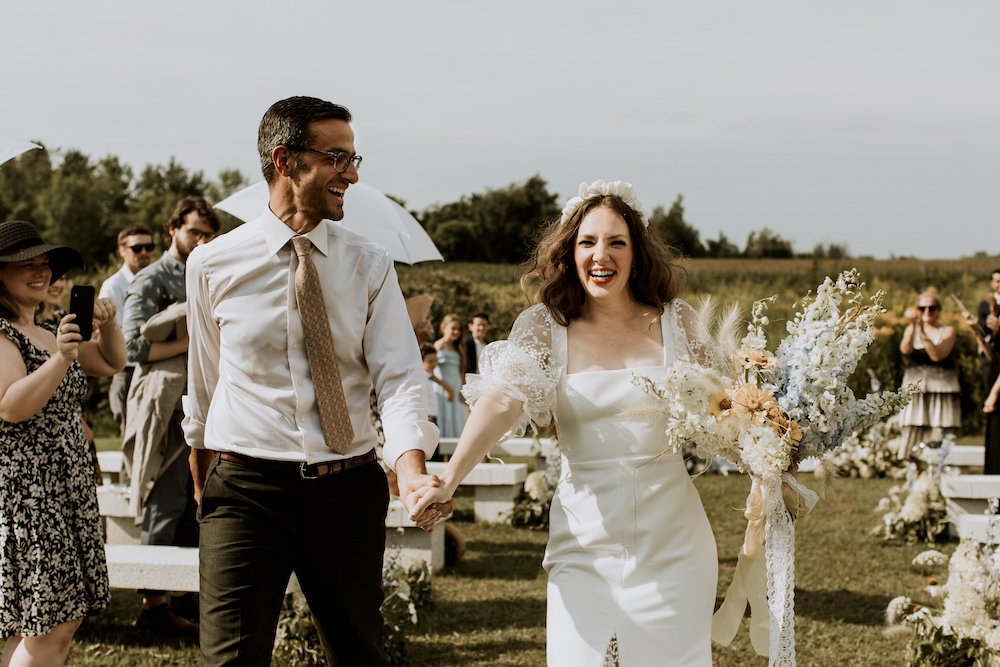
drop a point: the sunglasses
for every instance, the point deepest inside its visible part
(932, 309)
(140, 247)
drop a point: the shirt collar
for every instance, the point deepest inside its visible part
(277, 234)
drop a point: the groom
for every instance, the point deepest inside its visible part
(281, 488)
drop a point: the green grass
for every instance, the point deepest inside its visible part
(490, 608)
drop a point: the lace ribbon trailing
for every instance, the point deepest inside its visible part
(766, 582)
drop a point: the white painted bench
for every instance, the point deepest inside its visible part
(969, 494)
(497, 486)
(978, 527)
(537, 448)
(112, 466)
(134, 565)
(967, 497)
(140, 566)
(959, 456)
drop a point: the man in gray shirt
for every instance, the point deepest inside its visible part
(168, 516)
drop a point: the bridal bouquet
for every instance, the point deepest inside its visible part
(764, 412)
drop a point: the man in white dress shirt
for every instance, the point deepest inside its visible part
(135, 247)
(274, 498)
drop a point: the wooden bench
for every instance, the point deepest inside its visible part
(497, 486)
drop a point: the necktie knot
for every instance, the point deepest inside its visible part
(302, 245)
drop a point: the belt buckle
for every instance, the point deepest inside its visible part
(303, 474)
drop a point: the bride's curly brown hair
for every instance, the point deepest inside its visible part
(553, 269)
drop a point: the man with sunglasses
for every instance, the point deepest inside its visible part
(154, 447)
(135, 247)
(284, 463)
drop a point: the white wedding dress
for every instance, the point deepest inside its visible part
(631, 556)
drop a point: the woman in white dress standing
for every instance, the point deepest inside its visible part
(631, 558)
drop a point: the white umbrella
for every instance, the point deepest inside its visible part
(366, 211)
(11, 148)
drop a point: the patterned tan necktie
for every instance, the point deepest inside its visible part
(330, 400)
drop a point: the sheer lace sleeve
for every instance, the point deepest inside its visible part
(526, 367)
(688, 340)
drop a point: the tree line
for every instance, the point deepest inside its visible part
(79, 201)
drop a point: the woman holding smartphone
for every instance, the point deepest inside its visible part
(52, 565)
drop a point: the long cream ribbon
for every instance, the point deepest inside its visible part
(771, 504)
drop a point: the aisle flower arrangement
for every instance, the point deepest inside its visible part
(762, 411)
(915, 510)
(871, 454)
(406, 590)
(962, 624)
(532, 507)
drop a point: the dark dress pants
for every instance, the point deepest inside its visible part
(257, 527)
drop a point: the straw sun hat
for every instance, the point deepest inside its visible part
(20, 241)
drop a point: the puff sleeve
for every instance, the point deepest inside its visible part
(526, 367)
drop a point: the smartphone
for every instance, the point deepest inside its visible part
(81, 304)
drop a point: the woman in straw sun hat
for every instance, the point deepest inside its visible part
(52, 565)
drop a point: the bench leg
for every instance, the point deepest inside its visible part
(416, 545)
(494, 503)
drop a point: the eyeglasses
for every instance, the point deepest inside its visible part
(198, 234)
(142, 247)
(339, 159)
(932, 309)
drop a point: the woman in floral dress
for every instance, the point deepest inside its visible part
(52, 565)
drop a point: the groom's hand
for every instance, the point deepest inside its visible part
(414, 482)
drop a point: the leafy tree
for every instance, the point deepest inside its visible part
(21, 181)
(230, 181)
(503, 222)
(158, 190)
(72, 207)
(767, 243)
(722, 247)
(831, 251)
(676, 230)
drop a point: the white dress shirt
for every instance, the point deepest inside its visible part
(115, 288)
(250, 386)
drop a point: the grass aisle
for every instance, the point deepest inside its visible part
(490, 608)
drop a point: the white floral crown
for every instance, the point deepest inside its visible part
(620, 189)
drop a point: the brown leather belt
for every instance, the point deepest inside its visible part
(303, 470)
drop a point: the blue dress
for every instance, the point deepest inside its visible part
(451, 414)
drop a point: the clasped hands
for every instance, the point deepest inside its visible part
(429, 504)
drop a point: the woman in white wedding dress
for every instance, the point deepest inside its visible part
(631, 558)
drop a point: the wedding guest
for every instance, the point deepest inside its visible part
(277, 414)
(451, 370)
(986, 327)
(479, 328)
(429, 357)
(52, 565)
(51, 312)
(631, 558)
(935, 413)
(153, 442)
(135, 247)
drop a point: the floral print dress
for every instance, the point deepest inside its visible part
(52, 563)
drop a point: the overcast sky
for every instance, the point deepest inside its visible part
(871, 124)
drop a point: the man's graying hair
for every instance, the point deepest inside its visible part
(286, 123)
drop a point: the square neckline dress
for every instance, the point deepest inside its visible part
(631, 555)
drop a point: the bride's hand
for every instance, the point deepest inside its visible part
(429, 505)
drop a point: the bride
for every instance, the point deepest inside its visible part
(631, 558)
